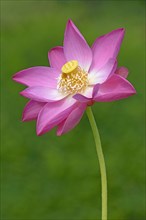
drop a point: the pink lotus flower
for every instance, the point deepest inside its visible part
(78, 77)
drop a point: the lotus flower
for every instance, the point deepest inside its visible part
(78, 76)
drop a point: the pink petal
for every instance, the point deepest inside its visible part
(54, 113)
(95, 90)
(42, 94)
(122, 71)
(106, 47)
(85, 96)
(56, 57)
(31, 110)
(72, 120)
(113, 89)
(76, 47)
(102, 75)
(38, 76)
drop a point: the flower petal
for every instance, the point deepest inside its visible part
(113, 89)
(95, 90)
(31, 110)
(54, 113)
(76, 47)
(106, 47)
(103, 73)
(38, 76)
(56, 57)
(42, 94)
(85, 96)
(122, 71)
(72, 120)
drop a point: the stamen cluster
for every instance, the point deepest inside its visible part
(73, 82)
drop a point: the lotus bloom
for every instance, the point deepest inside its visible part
(78, 76)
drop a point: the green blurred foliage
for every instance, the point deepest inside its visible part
(58, 178)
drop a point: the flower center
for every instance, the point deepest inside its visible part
(72, 79)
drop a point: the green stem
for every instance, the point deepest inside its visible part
(101, 162)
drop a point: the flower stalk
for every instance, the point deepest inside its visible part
(101, 161)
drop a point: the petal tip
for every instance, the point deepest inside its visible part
(58, 133)
(134, 91)
(54, 48)
(69, 21)
(120, 30)
(22, 93)
(123, 30)
(15, 78)
(39, 132)
(70, 24)
(23, 119)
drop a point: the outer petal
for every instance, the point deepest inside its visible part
(113, 89)
(86, 96)
(38, 76)
(76, 47)
(53, 113)
(31, 110)
(103, 73)
(42, 94)
(106, 47)
(56, 57)
(122, 71)
(72, 120)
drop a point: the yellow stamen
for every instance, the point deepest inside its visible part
(73, 79)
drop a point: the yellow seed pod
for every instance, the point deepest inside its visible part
(69, 66)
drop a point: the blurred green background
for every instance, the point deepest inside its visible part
(57, 178)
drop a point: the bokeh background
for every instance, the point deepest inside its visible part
(58, 178)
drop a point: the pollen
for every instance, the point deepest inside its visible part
(73, 79)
